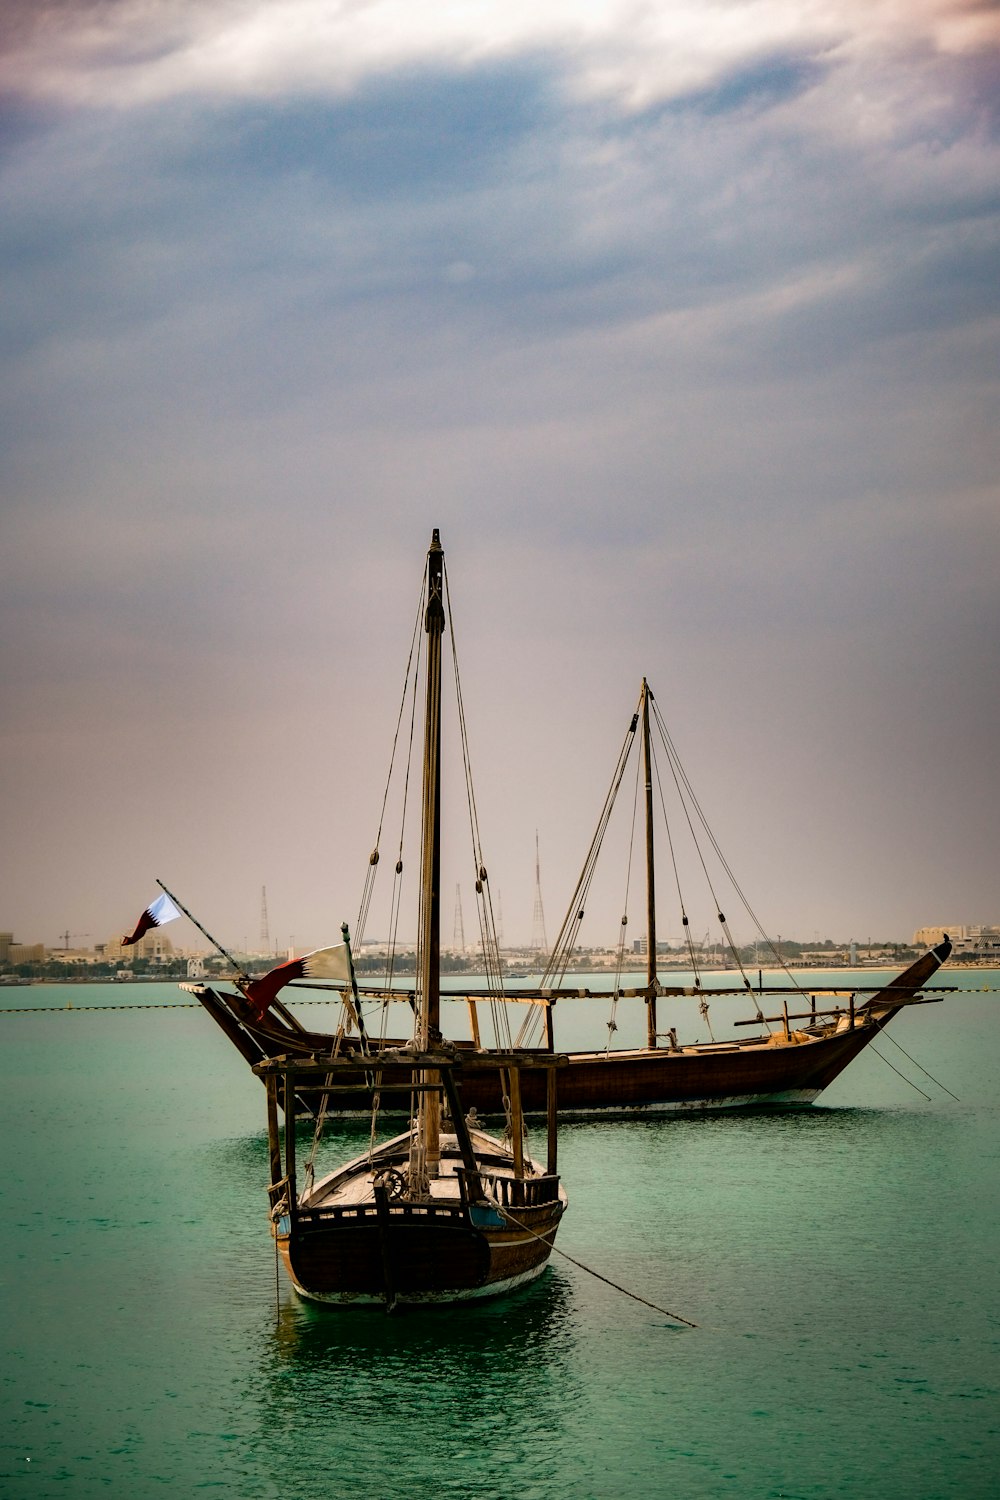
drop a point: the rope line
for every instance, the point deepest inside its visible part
(923, 1070)
(39, 1010)
(898, 1073)
(589, 1269)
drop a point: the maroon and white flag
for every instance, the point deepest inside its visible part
(157, 912)
(324, 963)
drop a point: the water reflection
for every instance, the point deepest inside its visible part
(424, 1397)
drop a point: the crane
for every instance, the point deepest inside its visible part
(67, 935)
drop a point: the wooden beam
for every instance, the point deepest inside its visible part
(516, 1122)
(550, 1099)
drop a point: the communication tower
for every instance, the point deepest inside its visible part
(458, 940)
(539, 941)
(265, 931)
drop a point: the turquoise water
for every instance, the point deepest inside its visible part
(841, 1262)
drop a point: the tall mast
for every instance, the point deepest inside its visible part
(430, 868)
(650, 877)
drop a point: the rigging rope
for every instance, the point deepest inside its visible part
(681, 778)
(623, 928)
(558, 962)
(415, 644)
(490, 946)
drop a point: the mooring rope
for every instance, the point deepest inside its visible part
(589, 1270)
(923, 1070)
(899, 1074)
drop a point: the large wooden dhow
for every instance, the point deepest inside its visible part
(790, 1064)
(804, 1035)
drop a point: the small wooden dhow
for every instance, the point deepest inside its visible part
(429, 1216)
(811, 1035)
(443, 1212)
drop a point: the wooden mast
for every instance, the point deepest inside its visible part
(651, 979)
(430, 873)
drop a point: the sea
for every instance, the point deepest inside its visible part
(841, 1263)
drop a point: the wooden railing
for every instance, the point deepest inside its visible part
(520, 1192)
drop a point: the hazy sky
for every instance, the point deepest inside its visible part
(680, 321)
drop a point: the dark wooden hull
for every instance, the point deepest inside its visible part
(725, 1076)
(407, 1253)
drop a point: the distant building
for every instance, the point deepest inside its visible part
(154, 946)
(929, 937)
(975, 941)
(980, 943)
(26, 953)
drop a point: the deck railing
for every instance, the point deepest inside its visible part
(519, 1192)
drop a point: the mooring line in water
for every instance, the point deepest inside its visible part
(899, 1074)
(923, 1070)
(590, 1272)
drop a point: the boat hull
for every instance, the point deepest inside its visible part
(780, 1070)
(623, 1082)
(413, 1254)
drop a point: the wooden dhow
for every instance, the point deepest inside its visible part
(442, 1212)
(813, 1032)
(414, 1220)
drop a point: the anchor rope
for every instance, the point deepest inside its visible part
(589, 1269)
(898, 1073)
(923, 1070)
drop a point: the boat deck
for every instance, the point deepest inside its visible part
(355, 1183)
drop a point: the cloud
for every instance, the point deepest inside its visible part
(115, 53)
(685, 334)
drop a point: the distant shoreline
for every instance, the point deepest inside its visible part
(513, 980)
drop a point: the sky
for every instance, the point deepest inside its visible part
(679, 321)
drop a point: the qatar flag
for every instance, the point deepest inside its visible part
(324, 963)
(157, 912)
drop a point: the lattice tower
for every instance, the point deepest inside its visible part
(458, 939)
(265, 931)
(539, 941)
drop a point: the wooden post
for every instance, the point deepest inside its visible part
(788, 1034)
(550, 1098)
(852, 1009)
(550, 1040)
(516, 1122)
(384, 1226)
(273, 1139)
(462, 1135)
(474, 1019)
(290, 1140)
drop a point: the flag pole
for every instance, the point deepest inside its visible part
(242, 977)
(354, 987)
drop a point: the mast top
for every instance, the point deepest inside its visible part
(434, 619)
